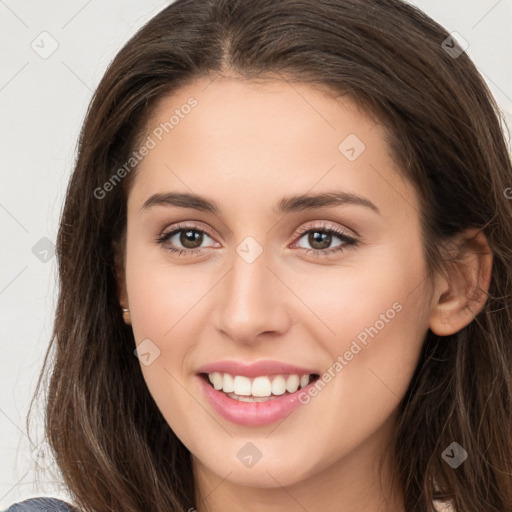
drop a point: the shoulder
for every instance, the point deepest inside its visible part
(41, 505)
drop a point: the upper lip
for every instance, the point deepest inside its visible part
(255, 369)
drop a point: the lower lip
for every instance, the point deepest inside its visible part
(252, 414)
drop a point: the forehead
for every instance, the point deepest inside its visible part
(258, 137)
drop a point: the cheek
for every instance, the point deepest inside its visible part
(162, 300)
(379, 293)
(166, 308)
(377, 320)
(387, 345)
(160, 293)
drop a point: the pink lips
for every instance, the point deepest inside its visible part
(256, 369)
(253, 414)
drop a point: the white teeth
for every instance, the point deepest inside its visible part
(229, 383)
(242, 386)
(216, 379)
(292, 384)
(260, 388)
(279, 385)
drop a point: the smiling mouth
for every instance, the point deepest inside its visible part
(258, 389)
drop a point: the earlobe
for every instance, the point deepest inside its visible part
(462, 293)
(126, 316)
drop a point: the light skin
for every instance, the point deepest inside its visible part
(246, 146)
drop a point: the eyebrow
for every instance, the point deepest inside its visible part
(286, 205)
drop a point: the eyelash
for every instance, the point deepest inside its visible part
(323, 228)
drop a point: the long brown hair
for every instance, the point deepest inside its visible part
(112, 445)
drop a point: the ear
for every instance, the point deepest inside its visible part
(461, 294)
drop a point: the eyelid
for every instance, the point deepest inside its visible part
(181, 226)
(325, 226)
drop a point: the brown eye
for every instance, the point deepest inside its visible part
(319, 239)
(185, 240)
(190, 238)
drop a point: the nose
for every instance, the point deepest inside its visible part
(251, 302)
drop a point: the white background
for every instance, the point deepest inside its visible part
(43, 103)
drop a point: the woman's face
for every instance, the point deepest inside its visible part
(311, 264)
